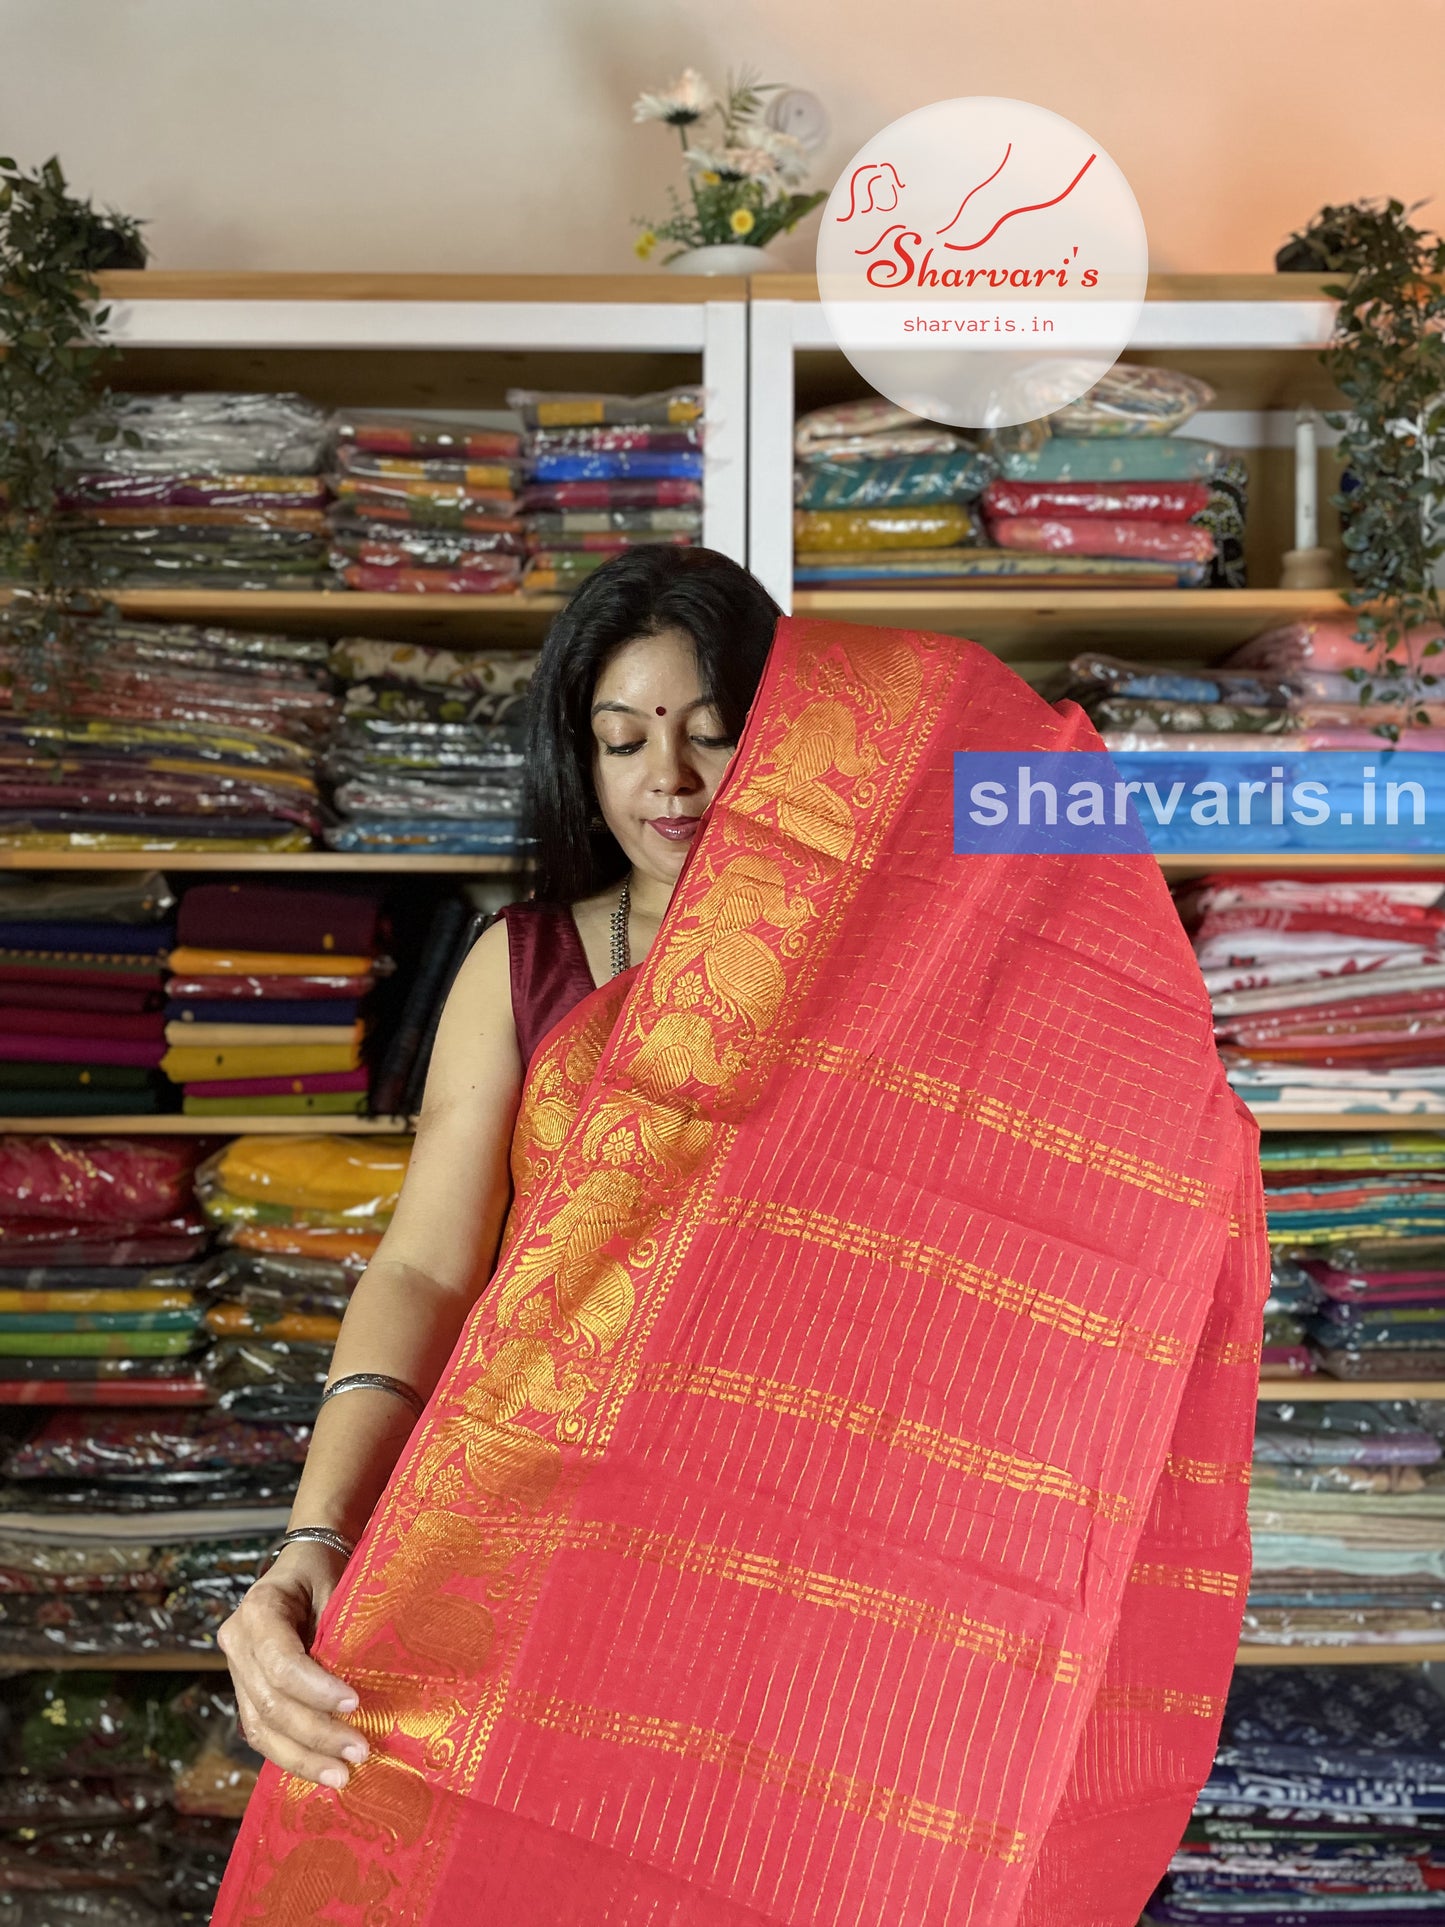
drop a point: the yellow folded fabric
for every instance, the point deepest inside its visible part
(915, 528)
(141, 1299)
(191, 1066)
(190, 962)
(184, 1036)
(324, 1173)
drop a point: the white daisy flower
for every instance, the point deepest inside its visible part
(685, 101)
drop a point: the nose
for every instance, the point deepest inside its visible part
(670, 770)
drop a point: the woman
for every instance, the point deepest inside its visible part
(635, 709)
(832, 1511)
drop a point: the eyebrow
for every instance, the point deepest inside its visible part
(699, 702)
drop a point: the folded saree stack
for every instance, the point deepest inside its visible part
(267, 1009)
(1305, 686)
(120, 1795)
(299, 1219)
(200, 491)
(424, 505)
(882, 499)
(1347, 1515)
(83, 963)
(1328, 990)
(1109, 481)
(1326, 1803)
(136, 735)
(428, 754)
(1363, 1220)
(99, 1284)
(603, 473)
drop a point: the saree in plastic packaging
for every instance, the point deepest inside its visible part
(833, 1510)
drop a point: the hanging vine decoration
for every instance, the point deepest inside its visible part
(1387, 357)
(54, 356)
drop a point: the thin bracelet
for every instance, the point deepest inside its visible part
(376, 1382)
(321, 1535)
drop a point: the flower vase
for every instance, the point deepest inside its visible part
(723, 257)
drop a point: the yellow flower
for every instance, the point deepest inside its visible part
(741, 220)
(643, 246)
(712, 177)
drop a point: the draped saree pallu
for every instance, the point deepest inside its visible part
(833, 1512)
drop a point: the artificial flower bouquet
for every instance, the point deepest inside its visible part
(743, 176)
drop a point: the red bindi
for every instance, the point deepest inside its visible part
(660, 710)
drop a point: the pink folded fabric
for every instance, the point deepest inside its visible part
(1103, 536)
(281, 1086)
(22, 1048)
(1328, 642)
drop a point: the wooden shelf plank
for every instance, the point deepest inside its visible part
(1038, 627)
(1315, 1390)
(173, 1125)
(321, 862)
(1352, 1121)
(206, 284)
(517, 621)
(181, 1662)
(1340, 1655)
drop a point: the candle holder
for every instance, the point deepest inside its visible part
(1306, 565)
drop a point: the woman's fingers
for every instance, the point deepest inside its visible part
(287, 1702)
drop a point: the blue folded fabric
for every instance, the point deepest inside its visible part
(341, 1011)
(619, 464)
(114, 939)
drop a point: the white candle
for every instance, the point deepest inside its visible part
(1306, 482)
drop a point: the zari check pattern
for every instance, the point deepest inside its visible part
(833, 1513)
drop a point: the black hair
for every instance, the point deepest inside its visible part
(730, 617)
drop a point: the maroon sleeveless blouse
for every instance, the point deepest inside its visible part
(550, 972)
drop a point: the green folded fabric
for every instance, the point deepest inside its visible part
(303, 1104)
(73, 1344)
(77, 1077)
(181, 1320)
(79, 1103)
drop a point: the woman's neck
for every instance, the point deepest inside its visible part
(650, 896)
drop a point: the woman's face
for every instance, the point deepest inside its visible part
(658, 751)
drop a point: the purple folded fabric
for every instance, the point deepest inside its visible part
(280, 1086)
(20, 1048)
(342, 1012)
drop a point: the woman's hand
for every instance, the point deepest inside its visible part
(287, 1702)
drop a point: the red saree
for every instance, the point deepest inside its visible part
(833, 1513)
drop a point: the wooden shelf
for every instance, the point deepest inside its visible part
(126, 1663)
(1039, 628)
(1340, 1655)
(1315, 1390)
(510, 621)
(302, 862)
(1352, 1121)
(173, 1125)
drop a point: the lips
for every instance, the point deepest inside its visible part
(675, 829)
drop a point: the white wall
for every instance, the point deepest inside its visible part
(496, 135)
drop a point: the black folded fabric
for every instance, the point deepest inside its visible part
(341, 1011)
(258, 916)
(74, 1103)
(134, 939)
(389, 1091)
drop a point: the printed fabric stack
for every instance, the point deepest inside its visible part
(1306, 686)
(604, 473)
(100, 1290)
(266, 1008)
(425, 506)
(884, 500)
(429, 753)
(1364, 1219)
(120, 1798)
(83, 963)
(136, 735)
(1326, 1802)
(1108, 481)
(200, 491)
(1347, 1518)
(300, 1218)
(1328, 990)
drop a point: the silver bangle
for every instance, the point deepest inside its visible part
(376, 1382)
(319, 1535)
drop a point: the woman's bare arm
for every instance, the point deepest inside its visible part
(404, 1319)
